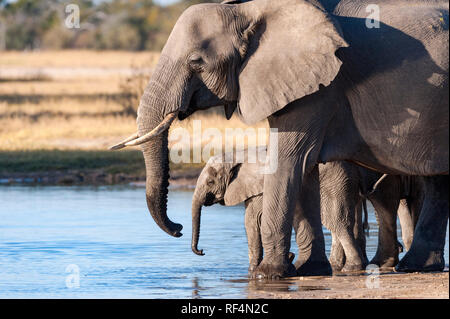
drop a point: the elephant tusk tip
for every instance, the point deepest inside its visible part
(116, 147)
(125, 142)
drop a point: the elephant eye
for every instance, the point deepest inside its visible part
(195, 58)
(196, 62)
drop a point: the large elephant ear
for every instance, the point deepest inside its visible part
(291, 51)
(247, 180)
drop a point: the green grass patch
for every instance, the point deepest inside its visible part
(56, 160)
(126, 162)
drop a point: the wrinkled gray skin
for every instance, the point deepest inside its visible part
(334, 89)
(400, 196)
(233, 183)
(341, 213)
(341, 185)
(404, 196)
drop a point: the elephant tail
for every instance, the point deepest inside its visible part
(366, 226)
(363, 193)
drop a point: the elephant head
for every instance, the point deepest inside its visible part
(225, 183)
(260, 55)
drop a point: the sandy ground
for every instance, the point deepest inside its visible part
(386, 285)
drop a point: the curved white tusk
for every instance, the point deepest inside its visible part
(164, 125)
(134, 140)
(122, 144)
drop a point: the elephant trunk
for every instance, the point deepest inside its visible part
(157, 182)
(196, 214)
(160, 99)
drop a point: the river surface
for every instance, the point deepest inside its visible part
(100, 242)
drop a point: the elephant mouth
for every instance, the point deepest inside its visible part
(185, 114)
(202, 99)
(210, 199)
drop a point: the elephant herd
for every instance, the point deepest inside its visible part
(344, 187)
(347, 82)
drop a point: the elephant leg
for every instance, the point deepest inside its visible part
(340, 221)
(406, 223)
(295, 148)
(427, 248)
(337, 255)
(253, 212)
(385, 201)
(312, 259)
(276, 220)
(353, 255)
(339, 198)
(352, 238)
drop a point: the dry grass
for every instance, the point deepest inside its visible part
(57, 133)
(80, 114)
(65, 106)
(62, 87)
(85, 127)
(75, 58)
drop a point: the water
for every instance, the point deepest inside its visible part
(47, 234)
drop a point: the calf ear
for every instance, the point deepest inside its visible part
(290, 53)
(246, 181)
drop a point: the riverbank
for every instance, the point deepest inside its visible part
(180, 179)
(70, 167)
(388, 285)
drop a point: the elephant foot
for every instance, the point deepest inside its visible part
(336, 267)
(273, 271)
(384, 262)
(353, 267)
(315, 268)
(252, 267)
(430, 261)
(253, 264)
(355, 264)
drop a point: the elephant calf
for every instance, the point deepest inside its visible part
(230, 184)
(233, 183)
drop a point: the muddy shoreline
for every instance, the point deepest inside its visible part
(386, 285)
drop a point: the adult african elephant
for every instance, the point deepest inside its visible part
(334, 88)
